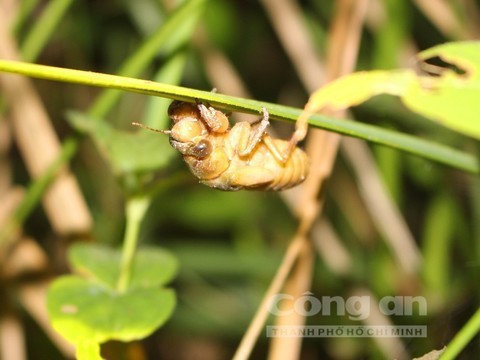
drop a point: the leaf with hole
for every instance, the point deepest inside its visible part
(450, 99)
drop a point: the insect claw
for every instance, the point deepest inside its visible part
(265, 113)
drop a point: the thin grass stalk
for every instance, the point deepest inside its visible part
(322, 147)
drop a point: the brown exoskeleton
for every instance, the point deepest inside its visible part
(241, 157)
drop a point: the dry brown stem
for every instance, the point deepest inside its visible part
(12, 338)
(40, 146)
(33, 299)
(391, 223)
(322, 147)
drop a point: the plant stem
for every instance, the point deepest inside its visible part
(408, 143)
(463, 337)
(136, 208)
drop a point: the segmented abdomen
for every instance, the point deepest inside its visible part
(292, 173)
(260, 170)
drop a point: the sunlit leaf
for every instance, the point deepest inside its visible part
(82, 310)
(358, 87)
(450, 98)
(88, 350)
(464, 54)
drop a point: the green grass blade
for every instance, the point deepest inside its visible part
(436, 244)
(43, 28)
(463, 337)
(171, 72)
(24, 11)
(411, 144)
(185, 16)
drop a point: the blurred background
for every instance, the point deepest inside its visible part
(230, 244)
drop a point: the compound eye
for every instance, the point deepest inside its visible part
(202, 149)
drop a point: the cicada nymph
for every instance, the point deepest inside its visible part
(233, 158)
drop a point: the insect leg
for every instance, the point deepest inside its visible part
(299, 134)
(255, 135)
(279, 154)
(258, 134)
(216, 120)
(301, 127)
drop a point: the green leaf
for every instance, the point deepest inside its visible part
(126, 152)
(88, 350)
(464, 54)
(85, 311)
(152, 266)
(358, 87)
(450, 99)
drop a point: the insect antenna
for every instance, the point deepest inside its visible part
(149, 128)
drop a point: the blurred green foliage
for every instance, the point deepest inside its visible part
(230, 244)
